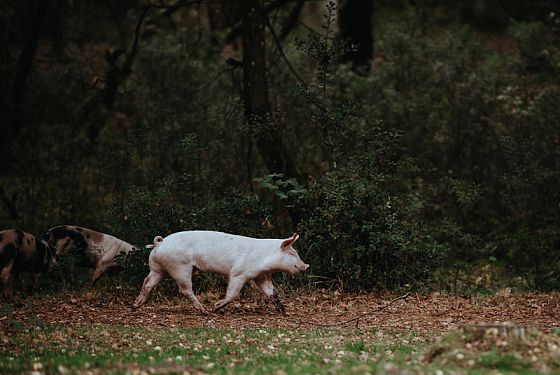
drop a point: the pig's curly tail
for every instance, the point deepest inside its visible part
(157, 241)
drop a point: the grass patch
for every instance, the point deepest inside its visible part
(489, 350)
(503, 362)
(56, 349)
(118, 349)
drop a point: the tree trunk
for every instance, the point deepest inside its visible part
(117, 73)
(255, 92)
(356, 25)
(256, 99)
(12, 108)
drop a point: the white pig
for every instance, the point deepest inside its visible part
(238, 258)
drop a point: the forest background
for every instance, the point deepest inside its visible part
(412, 144)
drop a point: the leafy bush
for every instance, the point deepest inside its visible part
(482, 134)
(364, 232)
(529, 235)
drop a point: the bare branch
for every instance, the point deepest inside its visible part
(292, 20)
(356, 318)
(281, 50)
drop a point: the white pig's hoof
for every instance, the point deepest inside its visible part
(202, 310)
(221, 303)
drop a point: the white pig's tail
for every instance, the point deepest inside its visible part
(157, 241)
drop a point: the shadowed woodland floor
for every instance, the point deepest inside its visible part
(432, 313)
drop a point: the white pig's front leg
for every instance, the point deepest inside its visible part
(234, 287)
(265, 283)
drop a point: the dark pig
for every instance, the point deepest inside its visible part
(22, 252)
(88, 248)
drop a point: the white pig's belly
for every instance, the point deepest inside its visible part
(169, 259)
(205, 265)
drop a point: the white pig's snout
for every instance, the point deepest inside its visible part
(302, 268)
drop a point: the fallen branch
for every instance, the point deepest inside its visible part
(356, 318)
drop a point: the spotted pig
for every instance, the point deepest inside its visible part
(21, 252)
(88, 248)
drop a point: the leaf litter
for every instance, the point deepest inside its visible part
(433, 313)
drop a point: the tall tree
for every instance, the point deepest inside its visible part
(255, 91)
(11, 106)
(356, 25)
(256, 99)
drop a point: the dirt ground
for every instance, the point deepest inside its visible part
(433, 313)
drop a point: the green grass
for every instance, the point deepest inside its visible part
(59, 349)
(503, 362)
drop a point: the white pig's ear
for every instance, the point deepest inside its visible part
(289, 242)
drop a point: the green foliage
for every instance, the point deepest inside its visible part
(483, 136)
(324, 48)
(360, 234)
(283, 189)
(363, 223)
(235, 212)
(538, 44)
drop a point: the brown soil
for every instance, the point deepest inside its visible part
(433, 313)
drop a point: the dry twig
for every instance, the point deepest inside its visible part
(356, 318)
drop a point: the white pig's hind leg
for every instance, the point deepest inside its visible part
(184, 281)
(265, 283)
(234, 287)
(150, 282)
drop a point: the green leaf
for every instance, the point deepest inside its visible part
(280, 194)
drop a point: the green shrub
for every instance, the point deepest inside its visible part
(360, 234)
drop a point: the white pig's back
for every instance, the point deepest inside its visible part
(207, 250)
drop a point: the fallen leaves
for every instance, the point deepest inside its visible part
(432, 313)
